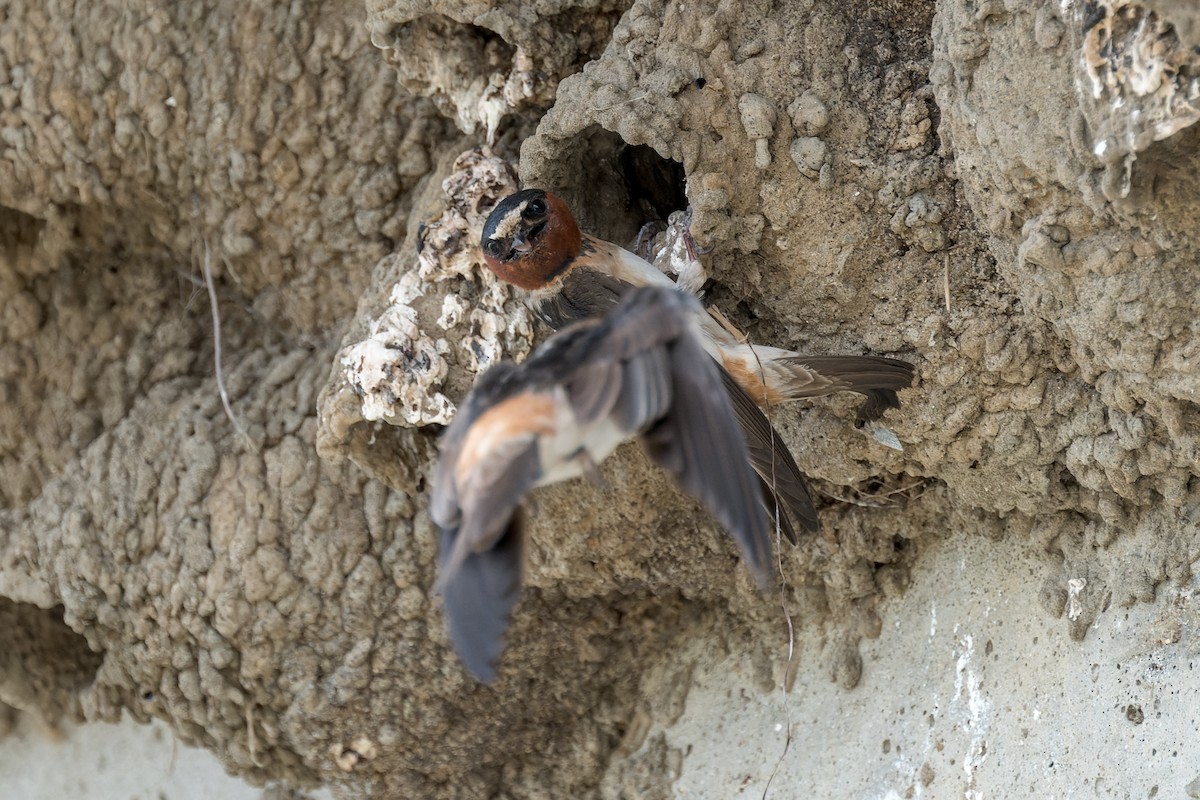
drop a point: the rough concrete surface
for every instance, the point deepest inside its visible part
(966, 693)
(1002, 193)
(126, 761)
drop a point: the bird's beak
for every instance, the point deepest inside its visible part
(520, 243)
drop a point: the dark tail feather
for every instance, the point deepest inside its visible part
(858, 373)
(877, 402)
(479, 598)
(875, 377)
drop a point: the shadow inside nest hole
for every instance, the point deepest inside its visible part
(616, 188)
(52, 660)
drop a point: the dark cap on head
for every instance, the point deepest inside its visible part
(503, 213)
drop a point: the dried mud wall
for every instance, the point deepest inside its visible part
(1003, 193)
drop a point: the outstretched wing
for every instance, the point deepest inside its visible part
(776, 512)
(646, 370)
(699, 442)
(622, 368)
(772, 460)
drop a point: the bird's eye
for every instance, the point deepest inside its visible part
(493, 248)
(536, 208)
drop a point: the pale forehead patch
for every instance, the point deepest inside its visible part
(507, 226)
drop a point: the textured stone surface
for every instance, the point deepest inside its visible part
(966, 186)
(481, 61)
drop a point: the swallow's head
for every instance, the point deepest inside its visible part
(529, 238)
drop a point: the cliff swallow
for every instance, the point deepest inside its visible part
(641, 372)
(531, 240)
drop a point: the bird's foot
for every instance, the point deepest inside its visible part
(643, 246)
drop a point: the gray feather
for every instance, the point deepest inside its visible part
(699, 443)
(480, 596)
